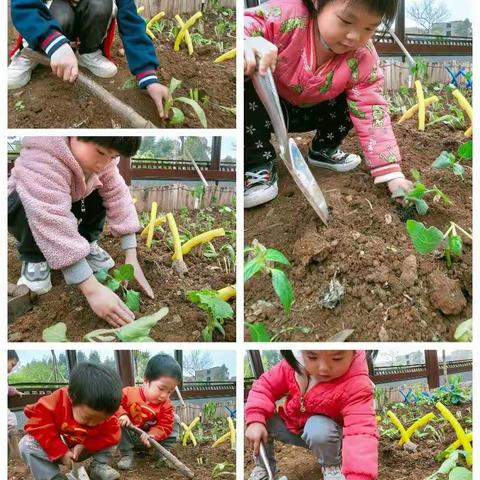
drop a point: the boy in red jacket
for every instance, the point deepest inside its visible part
(75, 423)
(328, 409)
(149, 408)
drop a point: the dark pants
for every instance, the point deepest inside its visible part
(330, 119)
(131, 440)
(91, 220)
(88, 21)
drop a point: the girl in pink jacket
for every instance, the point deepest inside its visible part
(328, 409)
(328, 78)
(60, 193)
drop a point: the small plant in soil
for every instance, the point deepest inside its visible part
(464, 332)
(221, 470)
(259, 332)
(261, 260)
(448, 161)
(177, 115)
(452, 468)
(218, 311)
(426, 240)
(117, 281)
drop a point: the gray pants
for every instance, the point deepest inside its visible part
(44, 469)
(321, 434)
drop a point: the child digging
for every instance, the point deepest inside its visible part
(328, 409)
(75, 423)
(149, 408)
(328, 78)
(60, 192)
(51, 25)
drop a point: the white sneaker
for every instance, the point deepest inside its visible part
(98, 64)
(260, 185)
(20, 70)
(332, 473)
(99, 259)
(36, 276)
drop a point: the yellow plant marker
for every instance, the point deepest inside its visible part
(227, 293)
(457, 443)
(461, 435)
(158, 222)
(378, 418)
(463, 102)
(406, 434)
(468, 132)
(185, 27)
(222, 439)
(421, 105)
(158, 16)
(177, 246)
(231, 426)
(410, 112)
(188, 38)
(202, 238)
(189, 428)
(151, 225)
(226, 56)
(140, 9)
(191, 436)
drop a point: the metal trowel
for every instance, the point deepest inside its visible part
(289, 152)
(263, 455)
(78, 474)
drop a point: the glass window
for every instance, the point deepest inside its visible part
(100, 357)
(140, 360)
(209, 366)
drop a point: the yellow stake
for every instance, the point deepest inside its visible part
(189, 428)
(406, 434)
(409, 113)
(421, 105)
(151, 225)
(182, 31)
(188, 38)
(158, 16)
(177, 246)
(202, 238)
(191, 435)
(222, 439)
(231, 426)
(457, 443)
(227, 293)
(226, 56)
(158, 222)
(463, 102)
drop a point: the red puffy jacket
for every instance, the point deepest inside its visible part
(347, 400)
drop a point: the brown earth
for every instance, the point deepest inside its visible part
(47, 102)
(146, 469)
(388, 285)
(184, 321)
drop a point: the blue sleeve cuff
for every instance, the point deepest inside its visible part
(146, 78)
(53, 42)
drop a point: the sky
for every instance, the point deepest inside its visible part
(459, 10)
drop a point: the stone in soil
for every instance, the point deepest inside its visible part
(409, 273)
(446, 294)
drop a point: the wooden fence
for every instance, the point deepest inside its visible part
(397, 73)
(192, 410)
(172, 7)
(174, 197)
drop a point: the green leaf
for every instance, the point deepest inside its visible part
(282, 288)
(418, 191)
(132, 300)
(125, 273)
(55, 333)
(458, 169)
(421, 206)
(174, 84)
(465, 150)
(443, 196)
(449, 463)
(464, 332)
(455, 244)
(258, 332)
(139, 329)
(207, 334)
(460, 473)
(196, 108)
(209, 301)
(276, 256)
(113, 284)
(102, 275)
(251, 268)
(415, 174)
(178, 117)
(425, 240)
(444, 160)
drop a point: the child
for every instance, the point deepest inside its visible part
(328, 396)
(61, 190)
(75, 423)
(149, 408)
(325, 67)
(12, 362)
(50, 26)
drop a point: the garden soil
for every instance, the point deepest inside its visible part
(146, 469)
(391, 292)
(184, 321)
(47, 102)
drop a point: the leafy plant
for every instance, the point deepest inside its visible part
(223, 470)
(178, 117)
(209, 410)
(261, 261)
(259, 333)
(117, 280)
(419, 70)
(464, 332)
(447, 160)
(450, 468)
(218, 310)
(19, 105)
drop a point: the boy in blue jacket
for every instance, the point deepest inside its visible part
(50, 26)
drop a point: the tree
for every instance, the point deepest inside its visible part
(94, 357)
(140, 359)
(196, 360)
(81, 357)
(427, 12)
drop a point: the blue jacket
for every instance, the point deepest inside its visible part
(33, 21)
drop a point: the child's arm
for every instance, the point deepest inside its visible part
(110, 436)
(164, 426)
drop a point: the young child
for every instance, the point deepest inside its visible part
(328, 409)
(328, 78)
(75, 423)
(60, 192)
(12, 362)
(50, 26)
(149, 408)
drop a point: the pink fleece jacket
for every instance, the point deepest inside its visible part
(48, 179)
(347, 399)
(288, 25)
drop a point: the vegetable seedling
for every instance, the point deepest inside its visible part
(262, 260)
(223, 470)
(447, 160)
(117, 280)
(259, 333)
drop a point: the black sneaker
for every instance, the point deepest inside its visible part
(260, 185)
(333, 159)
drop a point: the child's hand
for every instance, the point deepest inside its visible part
(266, 52)
(68, 459)
(131, 258)
(256, 433)
(77, 451)
(64, 63)
(159, 93)
(124, 421)
(145, 438)
(399, 183)
(105, 303)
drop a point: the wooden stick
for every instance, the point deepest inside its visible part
(169, 456)
(127, 113)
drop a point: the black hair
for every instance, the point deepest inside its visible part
(386, 8)
(95, 386)
(292, 361)
(125, 146)
(163, 365)
(12, 355)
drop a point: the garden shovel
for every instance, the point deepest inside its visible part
(263, 455)
(289, 152)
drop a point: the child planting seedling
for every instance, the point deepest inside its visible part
(61, 191)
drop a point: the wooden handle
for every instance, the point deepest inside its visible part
(169, 456)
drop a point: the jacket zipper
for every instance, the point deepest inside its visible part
(82, 206)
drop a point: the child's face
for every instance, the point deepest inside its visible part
(327, 365)
(159, 390)
(11, 364)
(92, 158)
(347, 26)
(87, 416)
